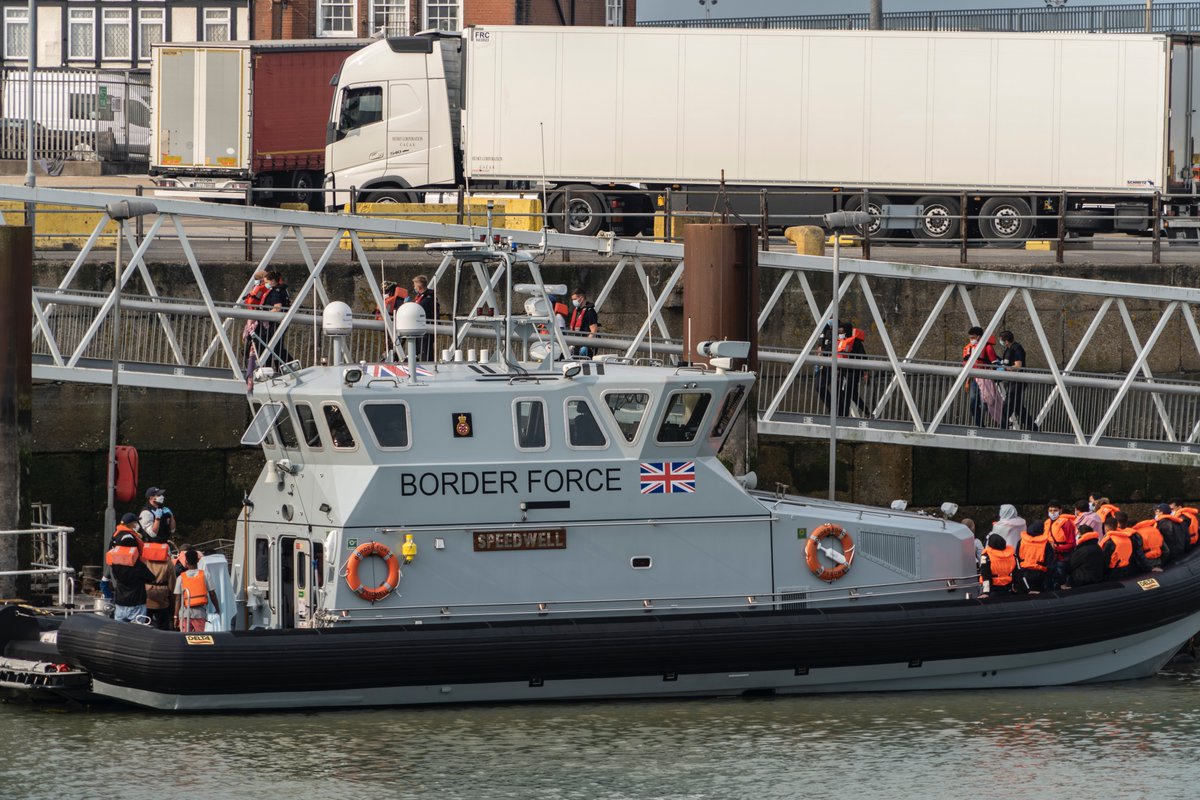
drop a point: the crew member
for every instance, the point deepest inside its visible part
(583, 319)
(824, 348)
(1035, 554)
(157, 521)
(1088, 561)
(997, 566)
(130, 575)
(1191, 517)
(1060, 526)
(192, 595)
(1123, 549)
(1014, 399)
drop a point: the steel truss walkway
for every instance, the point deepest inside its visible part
(912, 385)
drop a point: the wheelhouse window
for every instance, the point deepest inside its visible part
(733, 401)
(81, 33)
(308, 426)
(339, 429)
(583, 430)
(118, 31)
(216, 24)
(529, 419)
(389, 424)
(16, 33)
(285, 430)
(260, 427)
(262, 559)
(685, 412)
(628, 409)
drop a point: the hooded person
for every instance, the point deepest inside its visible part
(1087, 561)
(997, 567)
(1010, 525)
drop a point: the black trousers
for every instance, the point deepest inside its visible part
(1014, 403)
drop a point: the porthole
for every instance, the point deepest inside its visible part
(640, 562)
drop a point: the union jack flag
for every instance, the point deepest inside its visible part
(394, 371)
(668, 477)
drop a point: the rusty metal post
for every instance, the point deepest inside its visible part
(720, 301)
(462, 190)
(764, 215)
(866, 245)
(249, 255)
(1156, 246)
(16, 319)
(962, 229)
(1062, 228)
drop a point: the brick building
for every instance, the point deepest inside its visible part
(304, 19)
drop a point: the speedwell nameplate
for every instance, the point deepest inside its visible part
(548, 539)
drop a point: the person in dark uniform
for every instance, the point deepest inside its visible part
(1014, 398)
(423, 295)
(277, 299)
(824, 348)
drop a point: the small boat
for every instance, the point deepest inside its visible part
(517, 525)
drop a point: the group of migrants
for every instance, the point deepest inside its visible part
(145, 576)
(1090, 543)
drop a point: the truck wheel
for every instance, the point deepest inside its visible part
(582, 214)
(939, 221)
(388, 196)
(1005, 221)
(875, 204)
(305, 190)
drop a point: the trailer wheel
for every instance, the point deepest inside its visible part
(875, 204)
(305, 190)
(1005, 221)
(581, 214)
(939, 220)
(388, 196)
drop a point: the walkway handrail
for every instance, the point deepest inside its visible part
(64, 571)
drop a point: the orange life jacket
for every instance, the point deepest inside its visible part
(193, 590)
(124, 556)
(1062, 545)
(123, 529)
(1152, 540)
(983, 359)
(1191, 517)
(1106, 510)
(1122, 548)
(1002, 563)
(258, 294)
(1090, 536)
(1033, 551)
(156, 551)
(846, 346)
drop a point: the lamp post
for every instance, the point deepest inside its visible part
(837, 222)
(707, 6)
(119, 213)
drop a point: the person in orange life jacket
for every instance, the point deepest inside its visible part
(850, 346)
(422, 295)
(128, 524)
(157, 521)
(997, 567)
(276, 299)
(192, 596)
(1191, 520)
(1088, 562)
(1014, 398)
(157, 558)
(1173, 529)
(1123, 549)
(258, 292)
(1154, 547)
(1035, 554)
(583, 319)
(1084, 515)
(986, 358)
(1102, 506)
(1060, 526)
(393, 295)
(130, 575)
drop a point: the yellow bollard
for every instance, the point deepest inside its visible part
(809, 239)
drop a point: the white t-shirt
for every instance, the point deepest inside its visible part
(191, 612)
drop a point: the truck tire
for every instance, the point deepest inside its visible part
(939, 220)
(1005, 221)
(387, 196)
(584, 216)
(875, 204)
(305, 190)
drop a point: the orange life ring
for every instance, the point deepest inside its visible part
(355, 561)
(829, 574)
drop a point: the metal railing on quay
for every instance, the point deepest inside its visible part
(62, 570)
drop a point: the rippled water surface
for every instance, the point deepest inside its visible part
(1129, 740)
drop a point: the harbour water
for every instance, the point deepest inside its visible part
(1130, 740)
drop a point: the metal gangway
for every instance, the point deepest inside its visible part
(1112, 374)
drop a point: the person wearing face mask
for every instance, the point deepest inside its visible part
(422, 295)
(1085, 514)
(1060, 526)
(277, 299)
(583, 319)
(849, 346)
(156, 520)
(1014, 397)
(987, 357)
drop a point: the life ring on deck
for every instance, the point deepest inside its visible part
(363, 552)
(840, 568)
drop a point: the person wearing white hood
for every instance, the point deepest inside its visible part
(1010, 525)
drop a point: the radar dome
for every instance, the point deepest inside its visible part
(337, 319)
(410, 320)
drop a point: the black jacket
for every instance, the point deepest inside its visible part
(129, 587)
(1087, 564)
(1175, 536)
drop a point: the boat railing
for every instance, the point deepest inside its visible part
(788, 599)
(65, 573)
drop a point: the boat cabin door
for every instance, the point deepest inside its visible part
(302, 570)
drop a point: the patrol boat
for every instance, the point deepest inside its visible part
(519, 526)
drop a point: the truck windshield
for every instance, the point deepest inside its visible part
(361, 105)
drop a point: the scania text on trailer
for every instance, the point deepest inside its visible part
(243, 115)
(606, 119)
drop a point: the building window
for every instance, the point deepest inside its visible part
(442, 15)
(152, 27)
(389, 17)
(82, 33)
(614, 12)
(335, 17)
(16, 33)
(216, 24)
(117, 33)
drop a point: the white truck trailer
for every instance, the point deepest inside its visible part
(607, 118)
